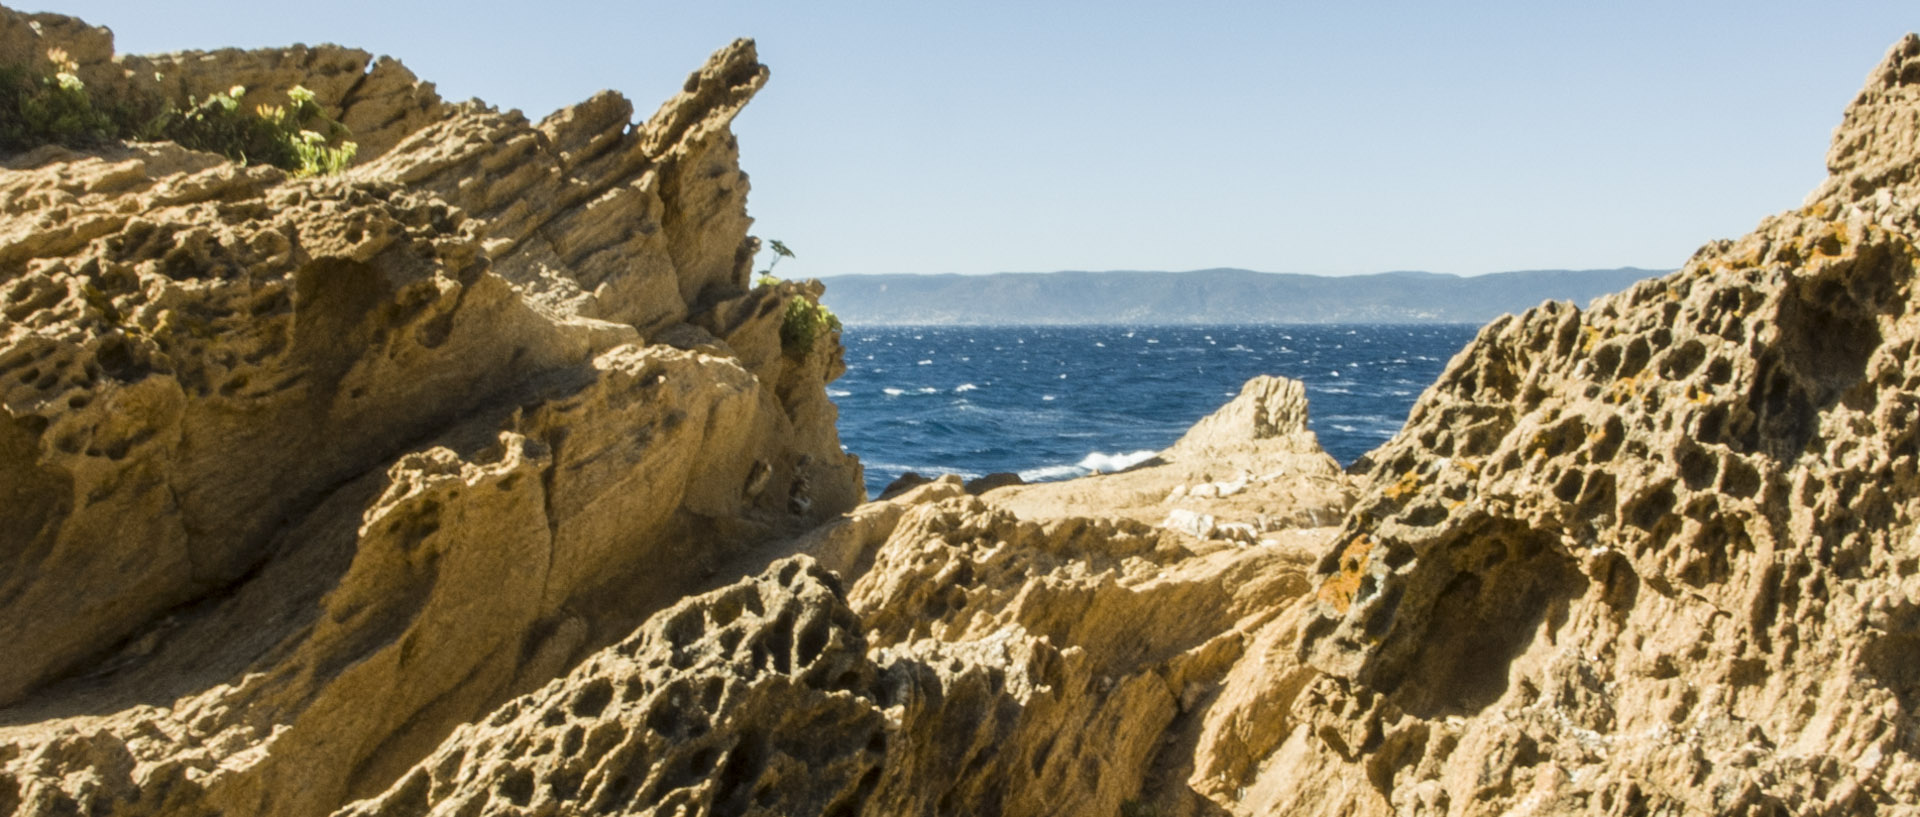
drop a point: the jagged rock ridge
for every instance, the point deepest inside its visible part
(300, 474)
(1655, 557)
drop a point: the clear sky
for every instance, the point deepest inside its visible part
(1320, 137)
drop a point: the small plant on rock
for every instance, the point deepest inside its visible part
(803, 325)
(49, 106)
(48, 103)
(270, 134)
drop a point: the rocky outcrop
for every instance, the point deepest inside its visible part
(984, 664)
(377, 98)
(1658, 557)
(300, 474)
(1252, 471)
(425, 489)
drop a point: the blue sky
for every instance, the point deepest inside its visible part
(1286, 137)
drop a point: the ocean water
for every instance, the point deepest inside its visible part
(1059, 402)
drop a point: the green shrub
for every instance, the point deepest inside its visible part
(803, 325)
(270, 134)
(51, 105)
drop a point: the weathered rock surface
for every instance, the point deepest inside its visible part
(1658, 557)
(984, 664)
(352, 496)
(1250, 471)
(301, 474)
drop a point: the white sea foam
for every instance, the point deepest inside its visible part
(924, 363)
(1046, 398)
(839, 393)
(964, 388)
(928, 390)
(1052, 472)
(1096, 461)
(893, 392)
(1108, 463)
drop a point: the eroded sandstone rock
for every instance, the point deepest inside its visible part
(1252, 471)
(353, 472)
(1658, 557)
(301, 474)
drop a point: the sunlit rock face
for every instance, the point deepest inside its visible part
(476, 480)
(1657, 557)
(300, 474)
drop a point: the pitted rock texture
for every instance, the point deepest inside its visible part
(301, 474)
(762, 698)
(755, 699)
(982, 665)
(1658, 557)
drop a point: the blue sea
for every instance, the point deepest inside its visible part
(1058, 402)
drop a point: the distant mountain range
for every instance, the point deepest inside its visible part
(1211, 296)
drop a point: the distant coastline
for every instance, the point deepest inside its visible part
(1211, 296)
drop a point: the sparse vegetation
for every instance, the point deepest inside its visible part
(803, 325)
(805, 319)
(270, 134)
(780, 251)
(50, 104)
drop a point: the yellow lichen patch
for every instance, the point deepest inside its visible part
(1405, 486)
(1589, 334)
(1623, 391)
(1338, 589)
(1834, 242)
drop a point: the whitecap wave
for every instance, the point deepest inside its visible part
(839, 393)
(928, 390)
(924, 363)
(1052, 472)
(893, 392)
(1097, 461)
(964, 388)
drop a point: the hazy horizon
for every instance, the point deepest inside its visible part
(1458, 138)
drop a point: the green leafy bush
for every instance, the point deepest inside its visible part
(270, 134)
(803, 325)
(51, 105)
